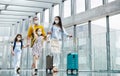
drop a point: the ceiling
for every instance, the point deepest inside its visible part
(12, 11)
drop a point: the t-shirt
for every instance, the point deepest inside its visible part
(30, 32)
(17, 46)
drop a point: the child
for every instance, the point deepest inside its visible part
(37, 49)
(16, 51)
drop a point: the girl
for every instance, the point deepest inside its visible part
(56, 31)
(37, 49)
(16, 51)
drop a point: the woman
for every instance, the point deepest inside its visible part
(56, 32)
(16, 51)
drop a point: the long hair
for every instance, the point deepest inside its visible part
(17, 36)
(60, 22)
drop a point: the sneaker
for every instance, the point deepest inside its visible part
(34, 72)
(18, 70)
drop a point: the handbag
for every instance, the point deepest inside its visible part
(55, 46)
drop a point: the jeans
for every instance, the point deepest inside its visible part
(17, 58)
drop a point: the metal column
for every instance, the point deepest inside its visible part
(90, 45)
(75, 39)
(108, 44)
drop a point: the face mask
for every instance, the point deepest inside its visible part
(35, 22)
(56, 21)
(19, 39)
(39, 33)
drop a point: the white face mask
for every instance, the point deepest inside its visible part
(39, 33)
(35, 22)
(19, 39)
(56, 21)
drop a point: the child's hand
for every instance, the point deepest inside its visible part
(48, 41)
(27, 45)
(69, 36)
(45, 38)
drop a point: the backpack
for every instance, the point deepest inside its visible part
(15, 44)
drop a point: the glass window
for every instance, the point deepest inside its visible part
(82, 45)
(114, 22)
(67, 8)
(46, 16)
(111, 0)
(95, 3)
(98, 30)
(56, 10)
(80, 6)
(4, 31)
(67, 45)
(39, 17)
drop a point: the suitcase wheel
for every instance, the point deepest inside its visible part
(48, 70)
(72, 71)
(75, 71)
(69, 71)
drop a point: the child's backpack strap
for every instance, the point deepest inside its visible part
(21, 44)
(14, 44)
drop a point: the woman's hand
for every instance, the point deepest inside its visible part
(12, 52)
(49, 32)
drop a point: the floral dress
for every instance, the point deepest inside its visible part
(37, 47)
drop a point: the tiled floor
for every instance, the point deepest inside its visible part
(43, 73)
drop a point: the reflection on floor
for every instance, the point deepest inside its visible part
(43, 73)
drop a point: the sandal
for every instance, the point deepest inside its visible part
(55, 69)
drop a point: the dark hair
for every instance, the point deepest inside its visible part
(35, 18)
(17, 36)
(60, 22)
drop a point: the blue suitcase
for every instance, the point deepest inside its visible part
(72, 63)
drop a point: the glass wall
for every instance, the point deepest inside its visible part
(80, 6)
(5, 31)
(67, 8)
(111, 0)
(56, 10)
(115, 41)
(5, 56)
(96, 3)
(39, 17)
(1, 56)
(67, 48)
(83, 47)
(99, 52)
(46, 16)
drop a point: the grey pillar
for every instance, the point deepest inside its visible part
(90, 45)
(87, 4)
(105, 2)
(75, 39)
(108, 44)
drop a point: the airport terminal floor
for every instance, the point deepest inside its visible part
(68, 36)
(43, 73)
